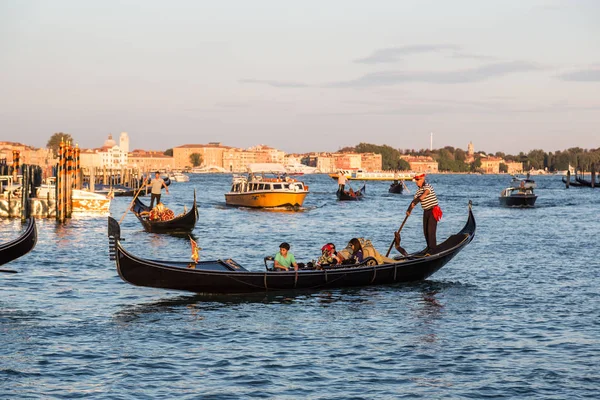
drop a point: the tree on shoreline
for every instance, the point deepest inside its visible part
(54, 141)
(196, 159)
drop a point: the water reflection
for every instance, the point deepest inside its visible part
(429, 307)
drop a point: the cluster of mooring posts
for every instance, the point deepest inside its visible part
(19, 184)
(580, 180)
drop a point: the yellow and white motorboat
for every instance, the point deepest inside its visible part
(266, 186)
(363, 175)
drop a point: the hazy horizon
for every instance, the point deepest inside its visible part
(509, 76)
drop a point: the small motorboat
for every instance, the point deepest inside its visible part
(517, 197)
(267, 185)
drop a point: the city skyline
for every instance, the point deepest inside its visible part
(508, 76)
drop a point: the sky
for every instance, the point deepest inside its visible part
(302, 76)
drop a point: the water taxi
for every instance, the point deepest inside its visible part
(266, 185)
(363, 175)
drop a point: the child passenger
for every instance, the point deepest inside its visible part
(285, 259)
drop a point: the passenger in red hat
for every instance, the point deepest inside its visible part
(432, 212)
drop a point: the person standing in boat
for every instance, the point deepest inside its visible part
(431, 210)
(341, 181)
(157, 184)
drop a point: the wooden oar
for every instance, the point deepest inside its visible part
(131, 204)
(8, 271)
(399, 229)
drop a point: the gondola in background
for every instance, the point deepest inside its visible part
(351, 194)
(183, 223)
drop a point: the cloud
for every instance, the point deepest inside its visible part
(583, 75)
(439, 77)
(278, 84)
(394, 54)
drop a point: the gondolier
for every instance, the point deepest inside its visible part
(157, 184)
(431, 210)
(341, 181)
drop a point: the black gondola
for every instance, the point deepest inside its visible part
(574, 183)
(21, 245)
(585, 183)
(227, 276)
(350, 195)
(396, 187)
(181, 224)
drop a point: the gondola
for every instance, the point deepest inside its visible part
(180, 224)
(574, 183)
(396, 187)
(585, 182)
(227, 276)
(21, 245)
(351, 195)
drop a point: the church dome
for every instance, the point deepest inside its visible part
(110, 142)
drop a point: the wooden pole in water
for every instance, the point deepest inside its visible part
(69, 181)
(58, 182)
(593, 175)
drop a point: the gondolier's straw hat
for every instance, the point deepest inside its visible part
(419, 176)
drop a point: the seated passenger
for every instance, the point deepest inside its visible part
(285, 259)
(354, 253)
(328, 255)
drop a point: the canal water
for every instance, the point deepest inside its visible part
(515, 315)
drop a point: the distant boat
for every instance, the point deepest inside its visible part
(363, 175)
(84, 202)
(266, 186)
(517, 197)
(518, 182)
(396, 187)
(300, 169)
(179, 177)
(208, 169)
(351, 194)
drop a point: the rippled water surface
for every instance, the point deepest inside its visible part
(515, 315)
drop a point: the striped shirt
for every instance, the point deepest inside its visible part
(431, 200)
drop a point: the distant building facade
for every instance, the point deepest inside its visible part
(422, 164)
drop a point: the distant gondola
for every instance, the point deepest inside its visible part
(396, 187)
(351, 194)
(585, 183)
(181, 224)
(572, 183)
(227, 276)
(21, 245)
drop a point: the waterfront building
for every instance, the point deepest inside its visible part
(371, 162)
(422, 164)
(211, 153)
(27, 154)
(491, 165)
(514, 167)
(148, 161)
